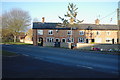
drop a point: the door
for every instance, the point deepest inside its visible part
(113, 41)
(40, 41)
(87, 41)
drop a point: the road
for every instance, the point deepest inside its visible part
(89, 60)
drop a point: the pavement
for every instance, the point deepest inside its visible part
(45, 62)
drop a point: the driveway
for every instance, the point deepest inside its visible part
(100, 63)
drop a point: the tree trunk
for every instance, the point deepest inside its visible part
(15, 37)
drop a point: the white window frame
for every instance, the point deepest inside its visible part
(81, 32)
(58, 39)
(62, 40)
(108, 32)
(97, 33)
(69, 31)
(39, 32)
(108, 39)
(70, 39)
(50, 39)
(49, 32)
(83, 40)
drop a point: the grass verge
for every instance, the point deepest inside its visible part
(17, 43)
(7, 53)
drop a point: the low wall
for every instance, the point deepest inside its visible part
(65, 45)
(48, 44)
(101, 46)
(30, 42)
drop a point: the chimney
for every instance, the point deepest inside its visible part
(97, 21)
(43, 19)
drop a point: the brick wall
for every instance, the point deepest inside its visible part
(63, 34)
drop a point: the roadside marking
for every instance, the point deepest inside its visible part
(85, 66)
(25, 55)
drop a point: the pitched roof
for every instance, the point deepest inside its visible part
(39, 25)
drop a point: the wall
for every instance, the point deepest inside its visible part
(101, 46)
(64, 45)
(35, 37)
(63, 34)
(48, 44)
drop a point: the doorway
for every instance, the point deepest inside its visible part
(92, 40)
(87, 41)
(113, 41)
(40, 41)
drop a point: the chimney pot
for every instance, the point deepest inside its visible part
(97, 21)
(43, 19)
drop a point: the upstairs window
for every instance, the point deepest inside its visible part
(40, 32)
(69, 32)
(108, 33)
(98, 33)
(50, 32)
(81, 32)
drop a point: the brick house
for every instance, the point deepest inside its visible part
(46, 34)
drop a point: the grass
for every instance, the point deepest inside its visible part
(17, 43)
(7, 53)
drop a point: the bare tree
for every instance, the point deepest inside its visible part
(16, 21)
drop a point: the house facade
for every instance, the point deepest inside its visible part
(47, 34)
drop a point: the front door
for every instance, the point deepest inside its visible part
(113, 41)
(40, 41)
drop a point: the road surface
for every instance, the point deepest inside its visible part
(89, 60)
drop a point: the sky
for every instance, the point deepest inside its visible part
(87, 11)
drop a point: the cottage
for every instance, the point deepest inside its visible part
(47, 34)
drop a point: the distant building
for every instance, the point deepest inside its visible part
(28, 37)
(47, 34)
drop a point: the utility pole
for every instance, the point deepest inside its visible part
(118, 24)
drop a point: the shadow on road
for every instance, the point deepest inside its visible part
(28, 67)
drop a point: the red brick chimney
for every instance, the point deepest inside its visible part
(43, 19)
(97, 21)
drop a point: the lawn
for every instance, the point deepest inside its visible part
(7, 53)
(17, 43)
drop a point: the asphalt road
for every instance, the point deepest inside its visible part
(104, 64)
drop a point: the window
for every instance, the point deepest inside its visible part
(63, 40)
(69, 40)
(108, 33)
(81, 40)
(81, 32)
(50, 32)
(49, 39)
(40, 32)
(57, 40)
(69, 32)
(98, 33)
(108, 39)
